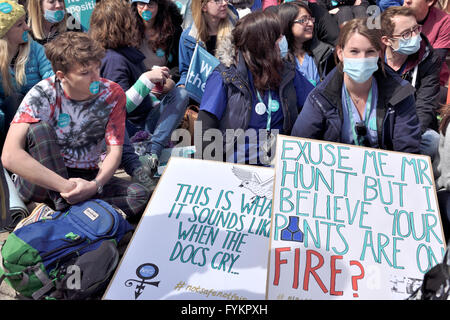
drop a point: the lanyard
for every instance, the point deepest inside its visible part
(357, 139)
(272, 106)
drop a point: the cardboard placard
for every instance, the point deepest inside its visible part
(204, 235)
(350, 222)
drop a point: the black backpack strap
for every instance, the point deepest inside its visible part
(5, 217)
(47, 283)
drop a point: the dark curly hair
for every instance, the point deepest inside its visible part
(112, 25)
(166, 20)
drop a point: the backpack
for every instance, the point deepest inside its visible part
(436, 282)
(45, 259)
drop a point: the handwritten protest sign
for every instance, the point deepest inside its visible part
(81, 11)
(204, 235)
(201, 66)
(351, 222)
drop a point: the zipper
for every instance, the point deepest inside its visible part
(64, 257)
(388, 112)
(49, 253)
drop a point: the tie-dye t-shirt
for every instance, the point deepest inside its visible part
(81, 126)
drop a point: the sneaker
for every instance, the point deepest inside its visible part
(140, 176)
(150, 163)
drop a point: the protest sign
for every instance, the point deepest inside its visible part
(202, 64)
(203, 235)
(350, 222)
(81, 11)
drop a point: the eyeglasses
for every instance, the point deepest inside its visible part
(304, 21)
(361, 131)
(219, 2)
(409, 33)
(150, 4)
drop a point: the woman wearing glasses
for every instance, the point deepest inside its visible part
(312, 57)
(409, 54)
(213, 22)
(360, 102)
(255, 98)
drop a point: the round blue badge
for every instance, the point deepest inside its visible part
(274, 106)
(147, 271)
(160, 52)
(25, 36)
(63, 120)
(59, 15)
(146, 15)
(170, 57)
(5, 7)
(94, 88)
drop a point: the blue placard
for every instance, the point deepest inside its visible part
(202, 64)
(81, 11)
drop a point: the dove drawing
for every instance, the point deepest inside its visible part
(251, 181)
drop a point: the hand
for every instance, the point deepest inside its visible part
(69, 185)
(158, 75)
(169, 85)
(83, 190)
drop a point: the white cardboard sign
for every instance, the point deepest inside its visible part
(204, 235)
(350, 222)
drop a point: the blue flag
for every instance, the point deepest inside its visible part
(202, 64)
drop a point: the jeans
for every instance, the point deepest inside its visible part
(130, 160)
(173, 107)
(161, 122)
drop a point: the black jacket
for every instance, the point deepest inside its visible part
(397, 124)
(426, 65)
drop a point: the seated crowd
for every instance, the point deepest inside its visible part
(76, 105)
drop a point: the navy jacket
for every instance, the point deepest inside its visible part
(397, 123)
(240, 99)
(124, 66)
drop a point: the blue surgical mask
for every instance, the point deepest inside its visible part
(360, 69)
(54, 16)
(409, 46)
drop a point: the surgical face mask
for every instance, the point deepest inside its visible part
(360, 69)
(409, 46)
(54, 16)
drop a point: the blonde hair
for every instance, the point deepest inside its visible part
(19, 67)
(36, 18)
(225, 25)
